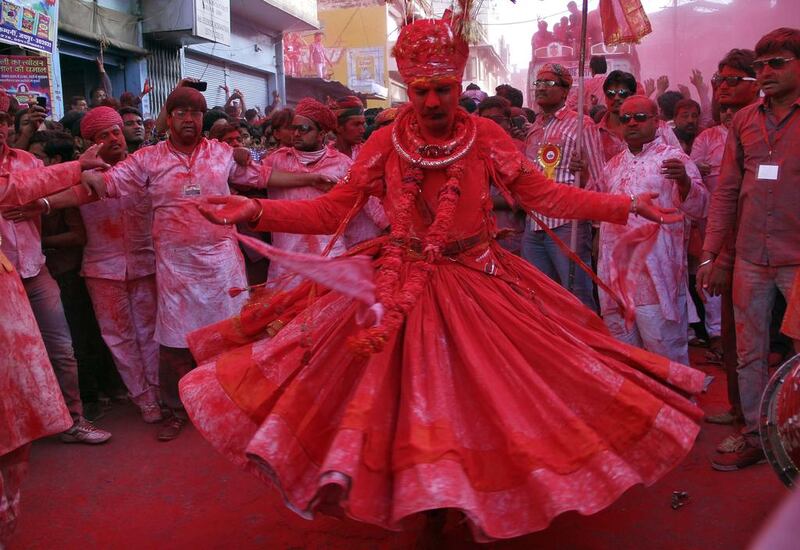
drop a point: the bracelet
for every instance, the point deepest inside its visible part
(634, 205)
(701, 264)
(46, 204)
(257, 217)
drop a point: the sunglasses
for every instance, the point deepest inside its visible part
(774, 63)
(638, 117)
(731, 81)
(611, 94)
(302, 128)
(546, 83)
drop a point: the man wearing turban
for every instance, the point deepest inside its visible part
(473, 383)
(119, 270)
(308, 155)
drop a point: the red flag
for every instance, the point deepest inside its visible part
(624, 21)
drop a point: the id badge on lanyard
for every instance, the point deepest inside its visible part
(770, 170)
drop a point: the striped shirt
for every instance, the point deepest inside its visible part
(560, 130)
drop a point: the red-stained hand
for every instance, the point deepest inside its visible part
(322, 182)
(649, 87)
(26, 212)
(648, 209)
(95, 183)
(241, 155)
(91, 158)
(5, 264)
(712, 281)
(228, 210)
(577, 164)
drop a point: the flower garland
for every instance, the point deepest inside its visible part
(398, 299)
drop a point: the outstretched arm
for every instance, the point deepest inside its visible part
(320, 216)
(20, 188)
(535, 192)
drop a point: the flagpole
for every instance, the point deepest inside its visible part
(573, 238)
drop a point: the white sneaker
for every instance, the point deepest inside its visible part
(84, 431)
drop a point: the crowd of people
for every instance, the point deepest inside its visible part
(120, 268)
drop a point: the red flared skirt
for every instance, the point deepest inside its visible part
(501, 396)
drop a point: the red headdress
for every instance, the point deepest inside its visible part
(432, 49)
(347, 106)
(316, 111)
(98, 119)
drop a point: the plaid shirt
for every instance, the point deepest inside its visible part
(561, 130)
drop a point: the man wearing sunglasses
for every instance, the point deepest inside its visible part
(656, 283)
(307, 156)
(735, 87)
(551, 146)
(757, 197)
(617, 87)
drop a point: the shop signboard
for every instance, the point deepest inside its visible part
(212, 20)
(29, 23)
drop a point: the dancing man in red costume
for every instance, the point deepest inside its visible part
(484, 387)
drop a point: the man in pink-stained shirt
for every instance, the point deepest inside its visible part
(21, 243)
(31, 401)
(312, 121)
(197, 263)
(757, 197)
(735, 87)
(658, 288)
(119, 269)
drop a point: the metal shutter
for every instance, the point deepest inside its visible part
(253, 85)
(209, 70)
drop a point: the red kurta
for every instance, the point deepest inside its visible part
(501, 395)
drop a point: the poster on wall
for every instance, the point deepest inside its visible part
(365, 69)
(26, 77)
(310, 55)
(29, 23)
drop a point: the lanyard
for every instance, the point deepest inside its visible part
(186, 160)
(779, 132)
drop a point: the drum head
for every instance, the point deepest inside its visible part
(780, 421)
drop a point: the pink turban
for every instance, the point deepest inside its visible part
(316, 111)
(98, 119)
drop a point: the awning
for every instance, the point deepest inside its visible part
(318, 88)
(107, 26)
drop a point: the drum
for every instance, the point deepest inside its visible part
(780, 421)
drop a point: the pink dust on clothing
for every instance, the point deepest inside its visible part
(119, 263)
(197, 262)
(370, 221)
(286, 159)
(22, 242)
(31, 404)
(664, 278)
(126, 313)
